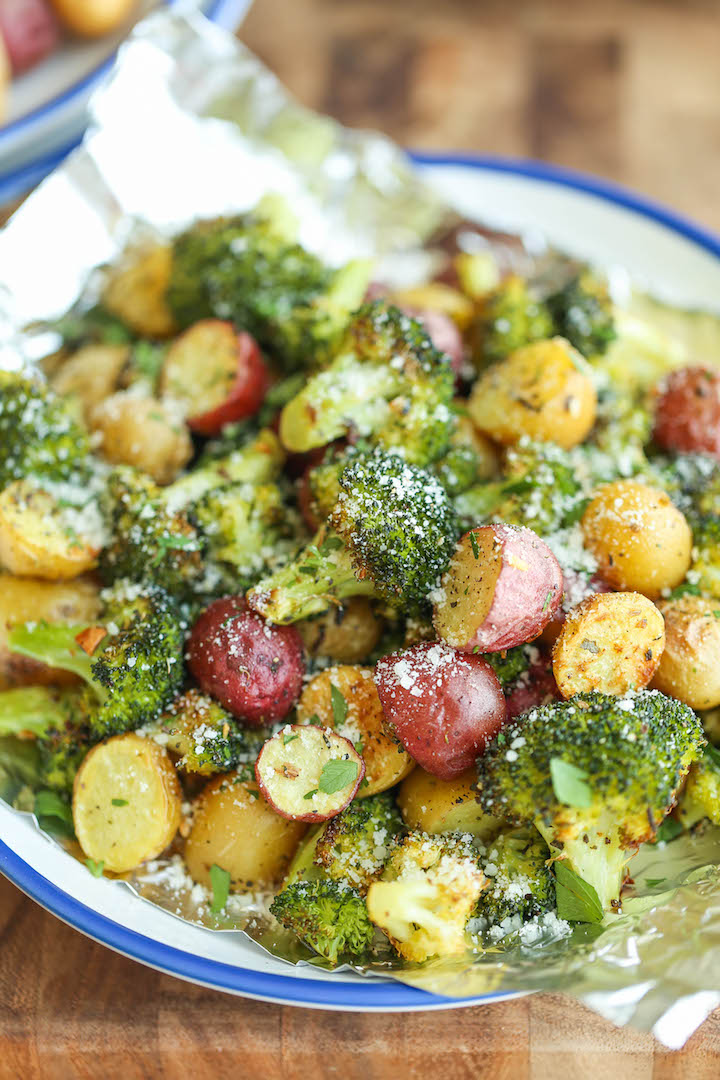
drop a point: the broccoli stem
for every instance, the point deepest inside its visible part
(597, 862)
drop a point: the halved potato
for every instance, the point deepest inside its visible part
(234, 827)
(386, 762)
(611, 642)
(690, 665)
(347, 633)
(126, 802)
(439, 806)
(40, 538)
(26, 600)
(308, 773)
(142, 431)
(93, 18)
(136, 290)
(91, 374)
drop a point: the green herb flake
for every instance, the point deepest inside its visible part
(49, 804)
(220, 885)
(474, 545)
(310, 794)
(570, 784)
(338, 773)
(577, 901)
(95, 868)
(119, 802)
(669, 829)
(289, 738)
(339, 706)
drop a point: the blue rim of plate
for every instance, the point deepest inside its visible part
(23, 123)
(334, 992)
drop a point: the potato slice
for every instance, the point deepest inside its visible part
(235, 828)
(136, 290)
(91, 374)
(611, 642)
(690, 665)
(126, 802)
(144, 432)
(24, 600)
(308, 773)
(439, 806)
(386, 762)
(40, 538)
(347, 633)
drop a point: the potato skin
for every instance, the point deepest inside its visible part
(541, 391)
(139, 775)
(690, 665)
(611, 642)
(93, 18)
(346, 634)
(34, 540)
(26, 600)
(235, 828)
(136, 289)
(91, 374)
(144, 432)
(386, 762)
(436, 806)
(687, 412)
(641, 541)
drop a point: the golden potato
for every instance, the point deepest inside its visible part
(236, 829)
(541, 391)
(641, 541)
(126, 802)
(135, 291)
(386, 762)
(91, 374)
(346, 633)
(690, 665)
(40, 538)
(144, 432)
(439, 806)
(25, 600)
(93, 18)
(436, 296)
(611, 642)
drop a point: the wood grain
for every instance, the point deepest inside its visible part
(629, 89)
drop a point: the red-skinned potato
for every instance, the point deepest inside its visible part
(502, 588)
(687, 412)
(217, 375)
(442, 705)
(535, 687)
(253, 668)
(29, 30)
(308, 773)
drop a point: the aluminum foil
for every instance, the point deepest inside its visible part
(188, 124)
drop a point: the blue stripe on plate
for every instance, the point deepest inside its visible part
(333, 992)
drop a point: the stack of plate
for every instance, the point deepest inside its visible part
(48, 104)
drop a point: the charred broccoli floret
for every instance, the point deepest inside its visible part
(705, 568)
(387, 383)
(207, 737)
(700, 799)
(244, 268)
(39, 435)
(520, 881)
(629, 755)
(582, 312)
(426, 895)
(391, 535)
(354, 846)
(256, 460)
(510, 317)
(328, 916)
(512, 663)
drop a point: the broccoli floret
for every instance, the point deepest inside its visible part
(244, 268)
(459, 469)
(258, 460)
(391, 535)
(427, 893)
(542, 489)
(95, 326)
(705, 568)
(512, 663)
(329, 917)
(632, 753)
(582, 312)
(693, 483)
(700, 799)
(387, 383)
(58, 720)
(39, 435)
(207, 737)
(521, 882)
(354, 845)
(509, 318)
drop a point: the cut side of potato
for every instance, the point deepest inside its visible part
(690, 665)
(136, 291)
(440, 806)
(346, 633)
(126, 802)
(91, 374)
(42, 539)
(468, 588)
(356, 713)
(235, 828)
(144, 432)
(308, 773)
(611, 642)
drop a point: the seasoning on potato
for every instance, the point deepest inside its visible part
(438, 806)
(42, 536)
(690, 665)
(140, 430)
(309, 773)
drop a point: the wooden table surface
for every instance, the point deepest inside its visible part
(629, 89)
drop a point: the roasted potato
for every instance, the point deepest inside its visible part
(142, 431)
(541, 390)
(438, 806)
(235, 828)
(641, 541)
(39, 538)
(126, 802)
(25, 600)
(90, 375)
(690, 665)
(436, 296)
(347, 634)
(309, 773)
(386, 763)
(135, 291)
(611, 642)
